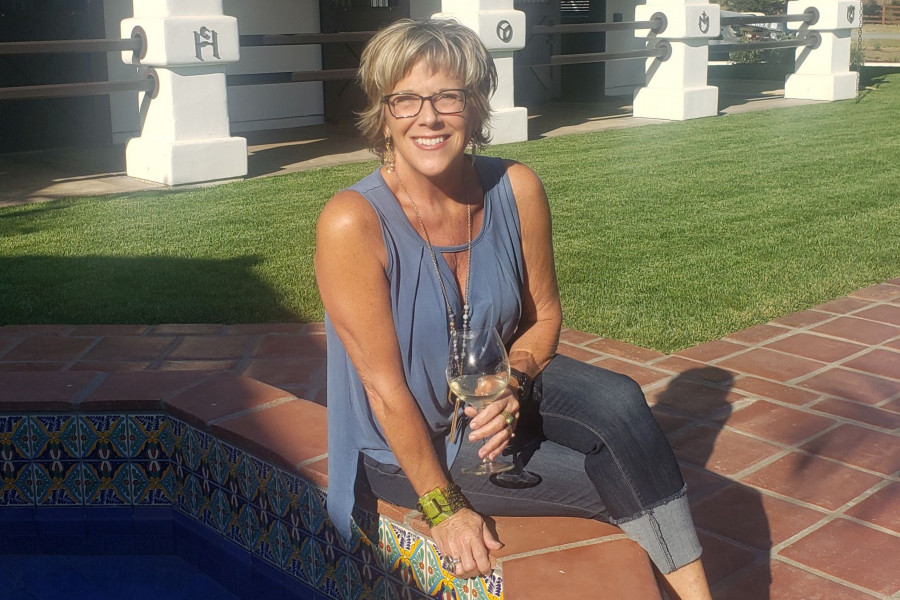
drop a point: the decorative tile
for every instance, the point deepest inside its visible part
(16, 483)
(54, 437)
(487, 588)
(193, 496)
(146, 432)
(348, 579)
(425, 562)
(179, 429)
(312, 508)
(313, 561)
(191, 449)
(106, 483)
(153, 485)
(218, 462)
(277, 493)
(59, 483)
(280, 542)
(250, 529)
(246, 476)
(15, 443)
(369, 555)
(328, 586)
(103, 437)
(263, 472)
(294, 566)
(388, 589)
(369, 573)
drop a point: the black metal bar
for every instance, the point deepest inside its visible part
(659, 51)
(800, 42)
(288, 77)
(61, 90)
(302, 39)
(596, 27)
(810, 15)
(71, 46)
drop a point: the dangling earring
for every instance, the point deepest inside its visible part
(388, 159)
(474, 148)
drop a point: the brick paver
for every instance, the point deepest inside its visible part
(788, 431)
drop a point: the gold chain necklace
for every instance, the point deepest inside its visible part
(451, 317)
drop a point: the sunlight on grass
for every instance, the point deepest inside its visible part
(666, 235)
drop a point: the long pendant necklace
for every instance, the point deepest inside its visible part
(451, 316)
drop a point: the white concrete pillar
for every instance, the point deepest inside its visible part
(823, 72)
(676, 89)
(502, 29)
(185, 135)
(623, 77)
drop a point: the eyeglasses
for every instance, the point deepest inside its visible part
(405, 105)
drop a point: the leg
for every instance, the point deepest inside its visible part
(687, 583)
(604, 416)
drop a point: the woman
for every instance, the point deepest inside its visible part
(436, 240)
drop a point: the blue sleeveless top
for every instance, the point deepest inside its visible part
(420, 318)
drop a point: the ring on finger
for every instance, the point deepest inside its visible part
(509, 419)
(448, 563)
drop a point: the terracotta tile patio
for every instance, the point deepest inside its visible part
(788, 433)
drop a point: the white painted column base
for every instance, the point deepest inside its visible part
(678, 104)
(509, 125)
(190, 161)
(838, 86)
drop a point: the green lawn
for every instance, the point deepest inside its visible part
(666, 235)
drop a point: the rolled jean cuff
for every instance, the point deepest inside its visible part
(667, 533)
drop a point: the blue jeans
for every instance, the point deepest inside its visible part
(590, 435)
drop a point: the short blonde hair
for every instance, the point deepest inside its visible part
(445, 45)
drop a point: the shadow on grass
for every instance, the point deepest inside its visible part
(145, 290)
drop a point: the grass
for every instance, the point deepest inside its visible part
(666, 235)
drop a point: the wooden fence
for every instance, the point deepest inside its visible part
(890, 15)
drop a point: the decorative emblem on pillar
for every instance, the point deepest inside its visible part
(203, 38)
(851, 13)
(504, 31)
(704, 22)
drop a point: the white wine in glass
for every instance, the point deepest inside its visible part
(478, 373)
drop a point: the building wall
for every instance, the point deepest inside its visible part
(250, 107)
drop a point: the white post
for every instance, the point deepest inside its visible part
(185, 135)
(823, 72)
(676, 89)
(502, 29)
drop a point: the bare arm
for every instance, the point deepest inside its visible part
(350, 270)
(537, 335)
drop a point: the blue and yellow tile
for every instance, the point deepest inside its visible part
(54, 437)
(103, 437)
(313, 561)
(17, 486)
(15, 438)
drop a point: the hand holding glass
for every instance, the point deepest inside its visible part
(478, 373)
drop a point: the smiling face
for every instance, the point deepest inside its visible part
(430, 143)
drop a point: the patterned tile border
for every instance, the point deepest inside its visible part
(132, 460)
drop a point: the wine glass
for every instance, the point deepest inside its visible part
(478, 373)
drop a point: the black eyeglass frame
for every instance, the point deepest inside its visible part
(422, 99)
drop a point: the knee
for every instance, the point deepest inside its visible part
(626, 394)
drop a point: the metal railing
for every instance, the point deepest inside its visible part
(136, 43)
(656, 24)
(810, 16)
(809, 39)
